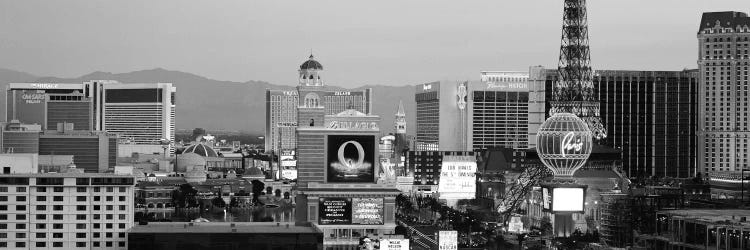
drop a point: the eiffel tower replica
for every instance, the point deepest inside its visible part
(574, 90)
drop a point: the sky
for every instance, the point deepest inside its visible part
(387, 42)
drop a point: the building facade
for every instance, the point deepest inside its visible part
(282, 105)
(724, 41)
(94, 152)
(66, 211)
(425, 167)
(652, 116)
(47, 104)
(466, 116)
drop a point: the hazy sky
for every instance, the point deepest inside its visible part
(393, 42)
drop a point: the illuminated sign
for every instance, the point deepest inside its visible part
(461, 96)
(458, 177)
(287, 124)
(427, 87)
(288, 163)
(367, 211)
(289, 174)
(351, 158)
(342, 93)
(564, 143)
(394, 244)
(335, 211)
(290, 92)
(515, 224)
(565, 199)
(33, 98)
(45, 85)
(364, 125)
(546, 201)
(507, 86)
(448, 240)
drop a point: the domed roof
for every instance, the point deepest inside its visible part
(255, 171)
(311, 64)
(202, 150)
(186, 161)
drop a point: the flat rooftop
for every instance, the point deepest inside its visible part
(67, 175)
(712, 215)
(222, 227)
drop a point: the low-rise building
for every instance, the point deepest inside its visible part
(65, 210)
(719, 229)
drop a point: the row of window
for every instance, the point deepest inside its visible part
(61, 189)
(22, 226)
(4, 244)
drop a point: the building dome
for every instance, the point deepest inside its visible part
(255, 171)
(187, 161)
(311, 64)
(202, 150)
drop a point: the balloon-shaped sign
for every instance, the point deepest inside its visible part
(564, 144)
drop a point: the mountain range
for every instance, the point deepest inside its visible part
(225, 105)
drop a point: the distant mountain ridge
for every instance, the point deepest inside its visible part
(225, 105)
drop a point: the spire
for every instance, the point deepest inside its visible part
(400, 111)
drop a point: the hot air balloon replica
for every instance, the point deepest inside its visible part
(564, 143)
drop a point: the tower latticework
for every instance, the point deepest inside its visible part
(574, 90)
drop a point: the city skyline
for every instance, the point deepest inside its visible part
(243, 41)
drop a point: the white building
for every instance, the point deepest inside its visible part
(65, 211)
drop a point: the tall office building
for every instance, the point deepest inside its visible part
(651, 116)
(724, 41)
(65, 211)
(466, 116)
(311, 93)
(142, 114)
(47, 104)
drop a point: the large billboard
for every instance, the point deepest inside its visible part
(351, 158)
(394, 244)
(448, 240)
(458, 177)
(29, 106)
(567, 199)
(335, 211)
(367, 211)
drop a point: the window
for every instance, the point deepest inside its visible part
(110, 198)
(121, 244)
(97, 226)
(80, 244)
(108, 225)
(110, 189)
(20, 217)
(3, 198)
(97, 198)
(20, 244)
(57, 198)
(41, 189)
(80, 226)
(121, 235)
(57, 244)
(3, 189)
(41, 235)
(80, 217)
(81, 208)
(108, 244)
(57, 216)
(80, 198)
(57, 226)
(3, 235)
(122, 198)
(41, 244)
(96, 235)
(57, 235)
(41, 226)
(41, 216)
(20, 207)
(41, 198)
(81, 189)
(97, 207)
(97, 216)
(20, 226)
(80, 235)
(96, 244)
(57, 207)
(109, 216)
(41, 207)
(110, 207)
(20, 190)
(108, 235)
(20, 198)
(121, 216)
(3, 207)
(122, 225)
(3, 226)
(97, 189)
(122, 189)
(20, 235)
(57, 189)
(122, 207)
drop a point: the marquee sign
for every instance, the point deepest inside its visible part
(564, 144)
(359, 125)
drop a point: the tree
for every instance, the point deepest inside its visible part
(258, 187)
(546, 225)
(184, 196)
(218, 202)
(233, 202)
